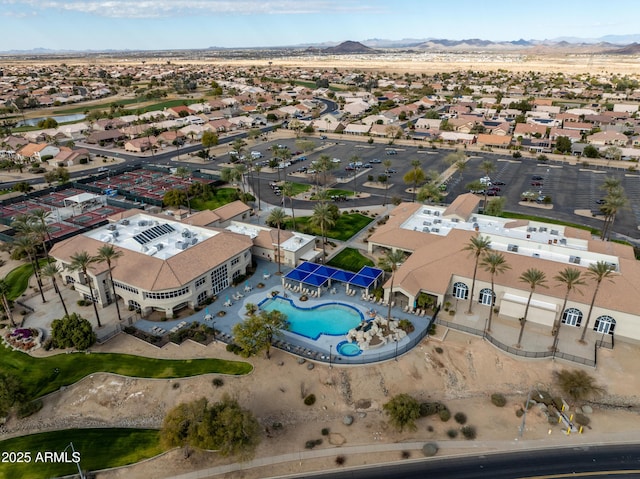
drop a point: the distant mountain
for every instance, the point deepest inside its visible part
(633, 49)
(348, 47)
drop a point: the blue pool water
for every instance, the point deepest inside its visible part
(348, 349)
(333, 319)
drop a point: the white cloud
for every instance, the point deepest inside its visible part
(169, 8)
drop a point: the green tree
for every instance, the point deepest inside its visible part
(11, 392)
(591, 151)
(534, 278)
(108, 254)
(82, 261)
(613, 203)
(403, 411)
(494, 263)
(4, 291)
(563, 144)
(571, 278)
(209, 139)
(175, 198)
(276, 217)
(478, 246)
(579, 385)
(430, 193)
(487, 167)
(391, 260)
(323, 218)
(287, 192)
(387, 164)
(72, 331)
(256, 333)
(51, 270)
(495, 207)
(23, 246)
(413, 177)
(597, 272)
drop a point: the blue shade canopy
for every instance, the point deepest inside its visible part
(315, 280)
(296, 275)
(342, 276)
(307, 266)
(318, 275)
(370, 272)
(326, 271)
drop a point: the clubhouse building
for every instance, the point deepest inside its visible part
(439, 267)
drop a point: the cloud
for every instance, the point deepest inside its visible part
(170, 8)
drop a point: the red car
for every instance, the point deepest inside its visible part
(536, 183)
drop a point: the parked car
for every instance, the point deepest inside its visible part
(601, 201)
(537, 183)
(350, 168)
(493, 193)
(336, 160)
(494, 188)
(375, 161)
(498, 183)
(537, 178)
(367, 165)
(390, 171)
(391, 152)
(323, 137)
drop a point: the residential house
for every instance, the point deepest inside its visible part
(606, 138)
(496, 141)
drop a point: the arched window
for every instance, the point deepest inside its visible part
(572, 317)
(605, 325)
(135, 305)
(202, 297)
(486, 297)
(460, 291)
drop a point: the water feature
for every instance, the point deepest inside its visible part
(59, 119)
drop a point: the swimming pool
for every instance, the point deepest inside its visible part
(348, 349)
(333, 319)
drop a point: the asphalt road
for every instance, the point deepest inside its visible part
(574, 462)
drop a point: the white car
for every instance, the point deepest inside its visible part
(336, 160)
(485, 180)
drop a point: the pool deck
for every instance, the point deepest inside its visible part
(302, 346)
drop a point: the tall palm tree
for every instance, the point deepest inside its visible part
(460, 166)
(287, 192)
(534, 278)
(487, 168)
(478, 246)
(322, 218)
(41, 215)
(571, 278)
(183, 172)
(258, 169)
(24, 245)
(391, 260)
(613, 202)
(354, 159)
(387, 164)
(494, 263)
(51, 270)
(414, 176)
(598, 272)
(108, 254)
(277, 217)
(81, 261)
(4, 290)
(323, 165)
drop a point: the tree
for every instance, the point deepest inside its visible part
(223, 426)
(387, 164)
(11, 392)
(258, 169)
(72, 331)
(487, 168)
(4, 291)
(174, 198)
(571, 278)
(403, 411)
(51, 270)
(277, 217)
(324, 165)
(613, 202)
(460, 166)
(534, 278)
(430, 193)
(495, 207)
(23, 244)
(183, 173)
(40, 216)
(453, 158)
(390, 262)
(209, 139)
(578, 384)
(590, 151)
(478, 246)
(323, 218)
(108, 254)
(598, 272)
(287, 192)
(355, 159)
(414, 176)
(256, 333)
(563, 144)
(81, 261)
(494, 263)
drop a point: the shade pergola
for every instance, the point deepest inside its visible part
(317, 275)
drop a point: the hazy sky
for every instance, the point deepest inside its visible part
(175, 24)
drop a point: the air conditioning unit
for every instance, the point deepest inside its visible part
(159, 246)
(425, 229)
(111, 227)
(186, 233)
(435, 230)
(115, 233)
(435, 222)
(125, 222)
(194, 241)
(142, 223)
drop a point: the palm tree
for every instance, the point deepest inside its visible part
(354, 159)
(494, 263)
(287, 191)
(323, 218)
(414, 176)
(534, 278)
(387, 164)
(597, 272)
(23, 245)
(478, 246)
(571, 278)
(81, 262)
(4, 290)
(390, 261)
(183, 172)
(613, 202)
(324, 165)
(277, 217)
(487, 168)
(460, 166)
(41, 216)
(51, 270)
(430, 193)
(258, 169)
(107, 254)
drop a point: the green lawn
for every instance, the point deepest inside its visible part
(98, 449)
(298, 188)
(44, 375)
(18, 279)
(350, 259)
(346, 226)
(223, 196)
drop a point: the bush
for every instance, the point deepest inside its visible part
(469, 432)
(318, 442)
(325, 431)
(29, 408)
(498, 399)
(581, 419)
(340, 460)
(217, 382)
(438, 350)
(452, 433)
(82, 302)
(233, 348)
(405, 454)
(310, 400)
(310, 444)
(519, 412)
(460, 417)
(445, 415)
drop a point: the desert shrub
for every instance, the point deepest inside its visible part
(428, 409)
(430, 428)
(445, 415)
(460, 417)
(498, 399)
(276, 426)
(29, 408)
(581, 419)
(217, 382)
(340, 460)
(325, 431)
(233, 348)
(519, 412)
(318, 442)
(469, 432)
(176, 385)
(310, 444)
(405, 454)
(310, 400)
(452, 433)
(438, 350)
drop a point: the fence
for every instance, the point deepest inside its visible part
(515, 351)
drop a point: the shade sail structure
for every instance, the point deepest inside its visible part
(318, 275)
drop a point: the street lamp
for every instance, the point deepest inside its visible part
(330, 349)
(526, 408)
